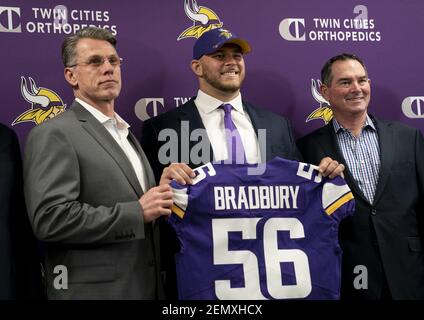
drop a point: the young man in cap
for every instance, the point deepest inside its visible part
(218, 63)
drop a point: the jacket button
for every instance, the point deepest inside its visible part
(373, 212)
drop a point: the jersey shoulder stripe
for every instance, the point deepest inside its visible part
(338, 203)
(334, 196)
(178, 211)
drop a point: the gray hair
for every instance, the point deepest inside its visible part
(70, 43)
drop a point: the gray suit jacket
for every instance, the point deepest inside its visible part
(82, 197)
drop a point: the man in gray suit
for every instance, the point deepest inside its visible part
(89, 186)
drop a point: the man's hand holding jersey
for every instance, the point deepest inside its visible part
(179, 172)
(156, 202)
(331, 168)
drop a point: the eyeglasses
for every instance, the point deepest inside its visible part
(97, 61)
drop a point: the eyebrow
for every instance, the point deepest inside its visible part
(101, 56)
(349, 79)
(344, 79)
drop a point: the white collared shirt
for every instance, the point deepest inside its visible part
(118, 129)
(213, 119)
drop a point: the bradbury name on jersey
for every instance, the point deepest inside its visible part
(255, 197)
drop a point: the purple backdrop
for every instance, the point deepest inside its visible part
(290, 40)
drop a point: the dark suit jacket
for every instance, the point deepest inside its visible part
(279, 142)
(20, 274)
(279, 137)
(385, 236)
(82, 195)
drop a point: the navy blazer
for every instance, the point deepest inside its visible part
(279, 137)
(20, 274)
(385, 236)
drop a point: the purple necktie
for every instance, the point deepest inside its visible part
(234, 144)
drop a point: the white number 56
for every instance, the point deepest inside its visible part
(273, 257)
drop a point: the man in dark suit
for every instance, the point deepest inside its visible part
(194, 133)
(383, 241)
(89, 186)
(20, 274)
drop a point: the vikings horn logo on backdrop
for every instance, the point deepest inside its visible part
(323, 111)
(204, 19)
(45, 103)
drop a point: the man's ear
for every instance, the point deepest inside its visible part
(70, 76)
(197, 68)
(324, 92)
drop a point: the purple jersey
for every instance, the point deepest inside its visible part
(267, 236)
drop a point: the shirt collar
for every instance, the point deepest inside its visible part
(206, 103)
(368, 124)
(102, 118)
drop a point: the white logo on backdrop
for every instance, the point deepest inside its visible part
(356, 28)
(147, 108)
(59, 19)
(141, 106)
(12, 14)
(285, 32)
(411, 107)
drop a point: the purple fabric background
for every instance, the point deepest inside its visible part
(279, 72)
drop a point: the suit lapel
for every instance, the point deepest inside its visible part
(148, 172)
(106, 141)
(259, 122)
(386, 155)
(329, 142)
(190, 114)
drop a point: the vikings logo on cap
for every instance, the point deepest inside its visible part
(225, 33)
(45, 103)
(323, 112)
(214, 39)
(204, 19)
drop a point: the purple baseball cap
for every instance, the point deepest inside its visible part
(214, 39)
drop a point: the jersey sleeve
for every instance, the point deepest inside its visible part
(337, 199)
(181, 192)
(180, 199)
(179, 207)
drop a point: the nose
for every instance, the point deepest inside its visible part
(107, 67)
(230, 59)
(355, 86)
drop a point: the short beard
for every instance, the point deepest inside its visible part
(230, 88)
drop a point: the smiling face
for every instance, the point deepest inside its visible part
(95, 84)
(349, 89)
(222, 72)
